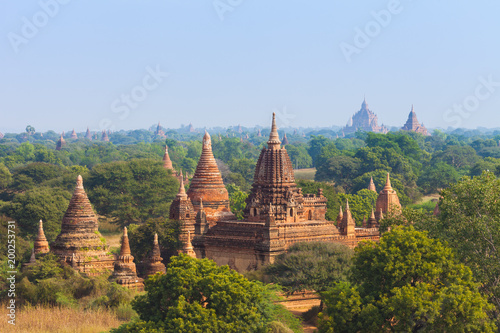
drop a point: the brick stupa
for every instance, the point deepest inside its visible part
(125, 273)
(372, 187)
(159, 132)
(61, 142)
(41, 245)
(207, 185)
(387, 200)
(80, 242)
(73, 134)
(104, 136)
(167, 163)
(285, 140)
(413, 125)
(153, 262)
(88, 135)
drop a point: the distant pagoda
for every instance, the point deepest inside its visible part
(364, 120)
(125, 273)
(285, 140)
(159, 132)
(61, 142)
(73, 135)
(88, 136)
(104, 136)
(413, 125)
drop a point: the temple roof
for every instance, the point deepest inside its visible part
(274, 139)
(207, 180)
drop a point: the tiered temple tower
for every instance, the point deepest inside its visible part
(41, 245)
(124, 272)
(73, 134)
(387, 200)
(207, 185)
(364, 120)
(276, 216)
(80, 242)
(159, 132)
(412, 124)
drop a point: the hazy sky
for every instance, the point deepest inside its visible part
(129, 64)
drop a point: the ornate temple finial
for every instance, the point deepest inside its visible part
(381, 216)
(388, 183)
(274, 139)
(201, 203)
(372, 216)
(182, 190)
(79, 182)
(125, 232)
(40, 229)
(155, 241)
(347, 205)
(207, 141)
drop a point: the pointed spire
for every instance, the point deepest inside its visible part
(182, 190)
(347, 205)
(372, 187)
(388, 183)
(372, 216)
(167, 163)
(125, 249)
(41, 234)
(79, 182)
(201, 203)
(156, 246)
(274, 139)
(285, 140)
(41, 245)
(381, 215)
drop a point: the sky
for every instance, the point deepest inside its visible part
(130, 64)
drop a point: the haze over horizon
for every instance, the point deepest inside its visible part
(129, 64)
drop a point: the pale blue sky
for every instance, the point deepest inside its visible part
(276, 55)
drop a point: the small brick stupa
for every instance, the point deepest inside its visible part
(167, 162)
(285, 140)
(104, 136)
(372, 187)
(153, 262)
(61, 142)
(125, 273)
(41, 244)
(88, 135)
(80, 243)
(387, 200)
(73, 134)
(207, 185)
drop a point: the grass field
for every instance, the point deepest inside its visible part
(39, 319)
(305, 174)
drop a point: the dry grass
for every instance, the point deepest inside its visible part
(305, 174)
(41, 319)
(429, 197)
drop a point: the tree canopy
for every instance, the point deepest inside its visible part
(407, 282)
(198, 296)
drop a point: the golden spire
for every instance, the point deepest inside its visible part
(274, 139)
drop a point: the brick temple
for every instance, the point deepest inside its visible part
(413, 125)
(364, 120)
(276, 216)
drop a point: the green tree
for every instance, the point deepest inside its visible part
(437, 176)
(132, 191)
(141, 237)
(315, 266)
(315, 145)
(198, 296)
(5, 177)
(469, 221)
(41, 203)
(340, 169)
(360, 204)
(406, 283)
(237, 200)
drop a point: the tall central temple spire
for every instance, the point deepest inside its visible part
(207, 185)
(274, 138)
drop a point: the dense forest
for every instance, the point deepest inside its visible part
(128, 186)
